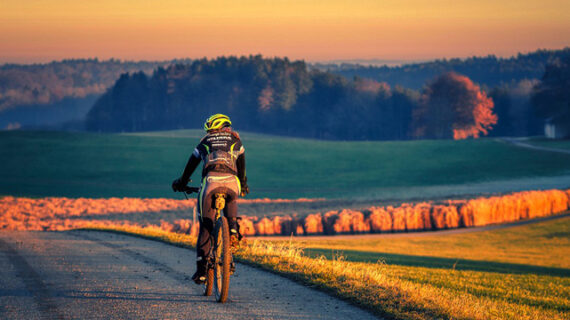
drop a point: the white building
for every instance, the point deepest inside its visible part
(556, 128)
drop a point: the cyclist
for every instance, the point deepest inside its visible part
(223, 157)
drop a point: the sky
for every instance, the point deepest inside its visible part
(43, 30)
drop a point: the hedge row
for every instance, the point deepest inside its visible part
(416, 217)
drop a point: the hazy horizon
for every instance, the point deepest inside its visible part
(361, 61)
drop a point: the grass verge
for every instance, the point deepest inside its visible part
(452, 288)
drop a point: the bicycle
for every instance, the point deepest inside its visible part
(220, 263)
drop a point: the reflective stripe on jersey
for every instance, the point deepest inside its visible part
(234, 156)
(239, 185)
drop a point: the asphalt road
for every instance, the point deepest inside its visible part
(98, 275)
(521, 143)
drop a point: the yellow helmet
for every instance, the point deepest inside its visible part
(217, 121)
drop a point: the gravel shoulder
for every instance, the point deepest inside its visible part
(99, 275)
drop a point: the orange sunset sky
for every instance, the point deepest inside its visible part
(45, 30)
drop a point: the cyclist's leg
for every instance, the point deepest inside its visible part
(207, 215)
(231, 213)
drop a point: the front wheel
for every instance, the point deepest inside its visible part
(222, 259)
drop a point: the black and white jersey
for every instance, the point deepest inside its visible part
(219, 151)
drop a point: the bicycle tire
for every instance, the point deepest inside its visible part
(222, 259)
(209, 285)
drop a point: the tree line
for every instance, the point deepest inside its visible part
(551, 96)
(489, 71)
(283, 97)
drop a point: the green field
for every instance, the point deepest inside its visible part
(540, 248)
(143, 165)
(516, 272)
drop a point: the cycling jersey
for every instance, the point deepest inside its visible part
(219, 152)
(222, 152)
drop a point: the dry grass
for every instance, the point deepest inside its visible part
(415, 292)
(65, 213)
(411, 293)
(62, 213)
(431, 215)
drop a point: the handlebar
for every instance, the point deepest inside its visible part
(190, 190)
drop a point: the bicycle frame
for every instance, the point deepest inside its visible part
(220, 258)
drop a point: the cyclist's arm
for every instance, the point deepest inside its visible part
(191, 165)
(241, 169)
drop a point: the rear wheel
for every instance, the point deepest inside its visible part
(209, 285)
(222, 259)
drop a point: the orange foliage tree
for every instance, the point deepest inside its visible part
(451, 106)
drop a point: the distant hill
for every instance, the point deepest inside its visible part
(44, 94)
(283, 97)
(68, 111)
(489, 71)
(331, 101)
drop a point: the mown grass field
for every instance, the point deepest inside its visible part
(143, 165)
(519, 272)
(541, 245)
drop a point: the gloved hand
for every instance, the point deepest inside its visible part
(178, 185)
(244, 189)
